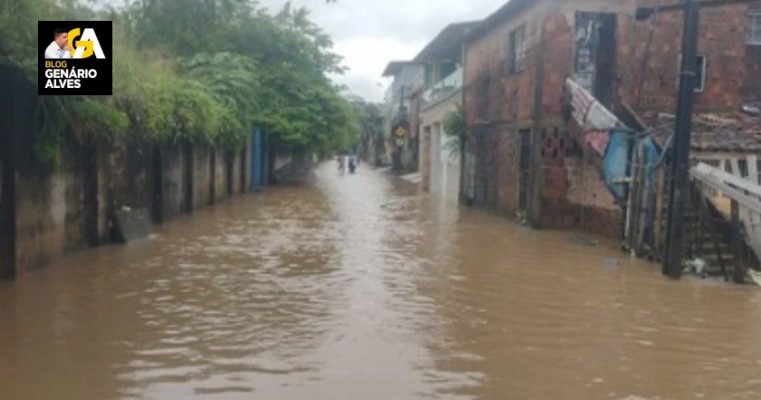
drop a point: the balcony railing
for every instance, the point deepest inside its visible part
(443, 88)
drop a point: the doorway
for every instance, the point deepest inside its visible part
(595, 55)
(524, 179)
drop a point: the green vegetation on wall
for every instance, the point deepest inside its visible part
(196, 70)
(454, 128)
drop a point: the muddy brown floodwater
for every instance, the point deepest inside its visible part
(357, 287)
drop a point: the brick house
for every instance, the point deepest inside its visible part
(523, 158)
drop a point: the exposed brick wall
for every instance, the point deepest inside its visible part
(574, 194)
(508, 171)
(555, 142)
(558, 56)
(549, 35)
(587, 186)
(504, 101)
(571, 191)
(561, 214)
(722, 40)
(491, 92)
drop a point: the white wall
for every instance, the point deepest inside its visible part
(444, 174)
(445, 166)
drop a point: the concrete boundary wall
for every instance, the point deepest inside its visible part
(46, 212)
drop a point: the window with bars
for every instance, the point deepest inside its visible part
(754, 29)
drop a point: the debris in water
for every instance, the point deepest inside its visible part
(696, 266)
(755, 277)
(611, 263)
(585, 241)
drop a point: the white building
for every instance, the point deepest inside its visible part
(440, 163)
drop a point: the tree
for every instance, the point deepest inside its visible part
(205, 71)
(454, 129)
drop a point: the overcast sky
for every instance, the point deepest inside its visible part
(370, 33)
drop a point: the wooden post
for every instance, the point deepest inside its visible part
(7, 196)
(737, 243)
(658, 221)
(643, 205)
(631, 194)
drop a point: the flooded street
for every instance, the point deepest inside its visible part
(358, 287)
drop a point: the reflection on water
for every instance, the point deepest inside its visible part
(357, 287)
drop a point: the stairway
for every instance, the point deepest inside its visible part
(716, 241)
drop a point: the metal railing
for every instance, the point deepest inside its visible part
(744, 194)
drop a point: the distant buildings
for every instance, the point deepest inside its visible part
(524, 156)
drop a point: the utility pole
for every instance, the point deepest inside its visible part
(397, 147)
(401, 99)
(680, 154)
(680, 164)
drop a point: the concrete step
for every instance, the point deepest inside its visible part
(714, 261)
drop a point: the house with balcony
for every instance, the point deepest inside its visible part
(400, 113)
(441, 97)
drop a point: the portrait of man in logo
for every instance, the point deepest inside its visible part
(59, 47)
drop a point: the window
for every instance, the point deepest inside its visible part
(483, 98)
(700, 79)
(754, 29)
(447, 68)
(428, 74)
(518, 49)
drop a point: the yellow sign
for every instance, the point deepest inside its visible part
(400, 132)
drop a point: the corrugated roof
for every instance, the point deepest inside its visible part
(734, 133)
(449, 38)
(503, 14)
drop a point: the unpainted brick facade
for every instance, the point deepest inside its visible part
(520, 114)
(732, 66)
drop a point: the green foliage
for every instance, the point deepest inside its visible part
(234, 82)
(48, 144)
(454, 128)
(206, 71)
(85, 118)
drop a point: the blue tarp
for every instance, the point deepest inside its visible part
(616, 159)
(259, 158)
